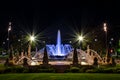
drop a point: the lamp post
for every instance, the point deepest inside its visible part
(80, 39)
(105, 29)
(9, 29)
(31, 39)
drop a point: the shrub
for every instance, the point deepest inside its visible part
(82, 69)
(74, 69)
(46, 70)
(108, 70)
(8, 70)
(67, 70)
(18, 69)
(2, 70)
(26, 70)
(38, 69)
(14, 69)
(90, 71)
(86, 67)
(118, 71)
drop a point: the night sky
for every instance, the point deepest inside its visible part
(48, 16)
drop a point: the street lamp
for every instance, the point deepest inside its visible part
(80, 39)
(9, 29)
(31, 39)
(105, 29)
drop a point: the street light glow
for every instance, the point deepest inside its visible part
(32, 38)
(105, 27)
(9, 28)
(80, 38)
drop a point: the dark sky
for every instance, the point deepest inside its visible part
(51, 15)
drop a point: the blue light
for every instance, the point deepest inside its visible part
(59, 49)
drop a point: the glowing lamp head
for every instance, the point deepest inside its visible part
(9, 28)
(80, 38)
(105, 27)
(32, 38)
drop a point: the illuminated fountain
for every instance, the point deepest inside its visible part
(60, 54)
(59, 51)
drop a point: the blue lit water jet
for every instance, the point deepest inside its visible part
(58, 46)
(59, 50)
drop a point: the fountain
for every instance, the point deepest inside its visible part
(55, 52)
(59, 51)
(60, 54)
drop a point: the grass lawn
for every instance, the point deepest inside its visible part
(59, 76)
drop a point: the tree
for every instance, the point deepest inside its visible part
(25, 62)
(45, 57)
(113, 63)
(95, 63)
(75, 57)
